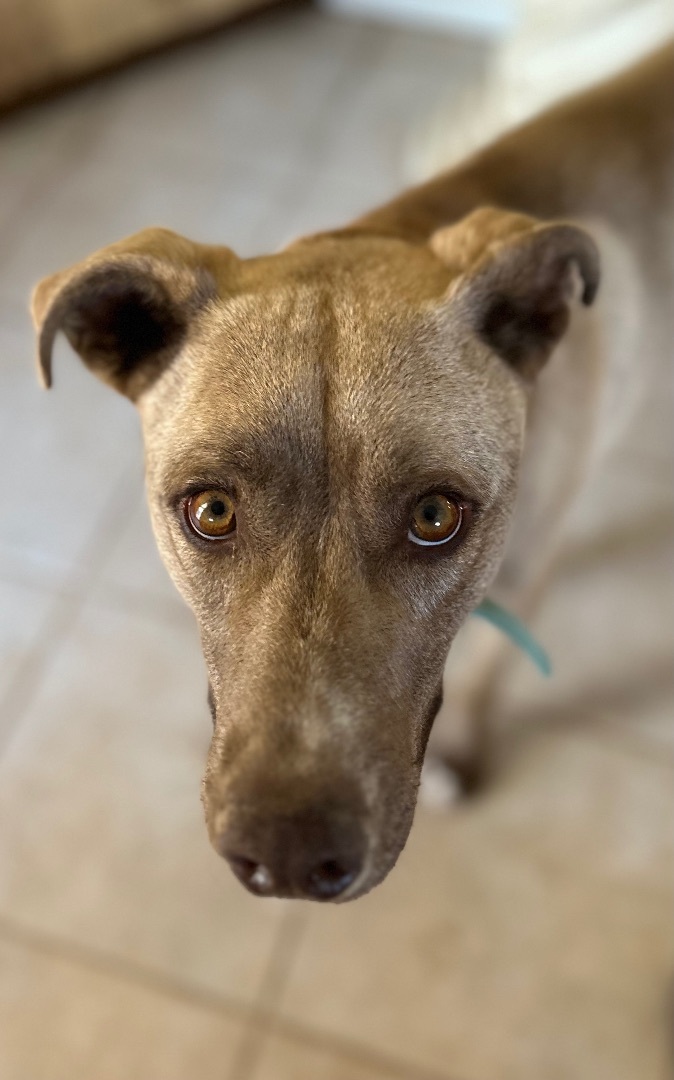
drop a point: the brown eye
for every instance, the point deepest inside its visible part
(210, 514)
(435, 520)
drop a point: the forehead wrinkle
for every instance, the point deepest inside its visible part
(260, 407)
(232, 459)
(266, 358)
(419, 408)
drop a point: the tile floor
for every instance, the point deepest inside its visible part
(525, 937)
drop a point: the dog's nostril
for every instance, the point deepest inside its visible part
(254, 875)
(329, 879)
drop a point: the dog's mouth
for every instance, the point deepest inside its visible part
(427, 727)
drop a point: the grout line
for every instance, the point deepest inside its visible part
(274, 981)
(257, 1017)
(284, 953)
(64, 610)
(104, 963)
(357, 1053)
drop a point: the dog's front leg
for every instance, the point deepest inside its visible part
(458, 748)
(460, 754)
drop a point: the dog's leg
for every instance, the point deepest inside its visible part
(459, 750)
(458, 746)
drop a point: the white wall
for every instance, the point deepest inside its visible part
(486, 18)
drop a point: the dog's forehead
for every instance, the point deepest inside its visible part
(344, 364)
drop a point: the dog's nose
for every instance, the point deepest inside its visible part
(308, 857)
(326, 881)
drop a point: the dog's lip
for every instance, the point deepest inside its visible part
(427, 726)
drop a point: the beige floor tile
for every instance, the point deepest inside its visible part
(286, 1059)
(23, 611)
(319, 200)
(61, 454)
(62, 1021)
(378, 113)
(656, 723)
(103, 841)
(33, 143)
(529, 935)
(358, 154)
(253, 94)
(106, 196)
(135, 573)
(607, 624)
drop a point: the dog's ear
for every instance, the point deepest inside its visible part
(126, 310)
(518, 279)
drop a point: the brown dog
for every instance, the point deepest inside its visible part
(337, 466)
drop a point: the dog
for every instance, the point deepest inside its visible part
(351, 442)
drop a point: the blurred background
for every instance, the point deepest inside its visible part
(524, 936)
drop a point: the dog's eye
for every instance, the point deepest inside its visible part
(436, 519)
(210, 514)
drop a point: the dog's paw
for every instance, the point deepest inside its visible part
(447, 779)
(440, 787)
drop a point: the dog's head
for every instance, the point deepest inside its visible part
(333, 437)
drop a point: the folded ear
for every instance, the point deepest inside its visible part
(518, 279)
(126, 310)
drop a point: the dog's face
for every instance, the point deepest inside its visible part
(332, 442)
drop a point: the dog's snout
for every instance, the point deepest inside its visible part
(314, 856)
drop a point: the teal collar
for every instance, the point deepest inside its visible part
(515, 629)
